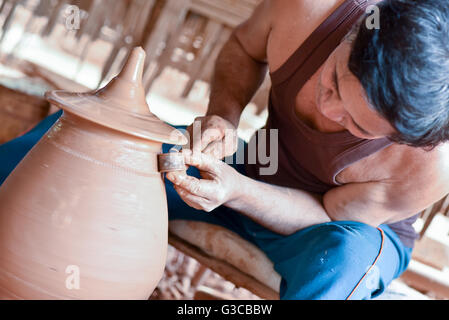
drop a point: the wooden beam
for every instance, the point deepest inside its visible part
(427, 279)
(432, 253)
(224, 269)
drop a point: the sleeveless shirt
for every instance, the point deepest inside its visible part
(308, 159)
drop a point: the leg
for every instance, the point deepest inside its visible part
(337, 260)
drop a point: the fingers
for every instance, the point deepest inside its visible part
(230, 142)
(213, 135)
(215, 149)
(210, 136)
(202, 161)
(201, 188)
(194, 201)
(223, 147)
(175, 175)
(202, 138)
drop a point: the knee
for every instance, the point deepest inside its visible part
(348, 234)
(353, 243)
(327, 261)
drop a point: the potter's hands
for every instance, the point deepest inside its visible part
(214, 136)
(218, 186)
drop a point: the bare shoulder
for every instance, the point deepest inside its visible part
(301, 11)
(409, 179)
(408, 162)
(404, 167)
(278, 27)
(292, 22)
(415, 174)
(418, 178)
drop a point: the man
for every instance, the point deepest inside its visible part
(353, 131)
(361, 117)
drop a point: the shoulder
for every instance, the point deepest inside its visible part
(415, 174)
(306, 7)
(409, 162)
(404, 173)
(404, 179)
(292, 21)
(302, 11)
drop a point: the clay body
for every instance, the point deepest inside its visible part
(84, 215)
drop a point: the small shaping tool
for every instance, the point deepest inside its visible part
(172, 161)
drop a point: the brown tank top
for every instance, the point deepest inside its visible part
(309, 159)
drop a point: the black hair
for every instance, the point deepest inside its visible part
(403, 67)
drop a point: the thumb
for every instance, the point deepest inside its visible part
(202, 161)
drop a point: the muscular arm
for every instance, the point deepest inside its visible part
(286, 210)
(409, 190)
(409, 181)
(282, 210)
(241, 66)
(418, 179)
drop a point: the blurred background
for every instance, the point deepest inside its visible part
(79, 45)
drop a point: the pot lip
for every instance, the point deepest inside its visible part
(110, 114)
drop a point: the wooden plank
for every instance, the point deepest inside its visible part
(155, 13)
(206, 293)
(57, 81)
(432, 253)
(427, 279)
(173, 14)
(169, 21)
(220, 13)
(211, 36)
(224, 269)
(209, 66)
(430, 213)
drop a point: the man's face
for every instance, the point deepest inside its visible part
(341, 98)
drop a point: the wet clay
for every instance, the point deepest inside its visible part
(84, 215)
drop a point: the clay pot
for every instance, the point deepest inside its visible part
(84, 215)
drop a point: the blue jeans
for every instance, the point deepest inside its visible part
(336, 260)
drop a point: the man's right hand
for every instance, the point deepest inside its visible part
(213, 135)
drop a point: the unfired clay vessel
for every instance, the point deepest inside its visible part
(84, 215)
